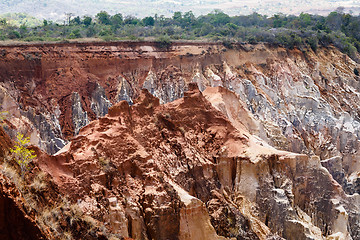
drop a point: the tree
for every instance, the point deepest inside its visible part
(277, 21)
(177, 16)
(22, 155)
(313, 42)
(3, 22)
(218, 18)
(305, 20)
(76, 20)
(188, 19)
(163, 42)
(131, 20)
(68, 17)
(148, 21)
(14, 34)
(75, 34)
(117, 20)
(87, 20)
(334, 21)
(103, 17)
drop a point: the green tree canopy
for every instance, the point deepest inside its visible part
(103, 18)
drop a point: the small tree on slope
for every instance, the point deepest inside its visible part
(22, 155)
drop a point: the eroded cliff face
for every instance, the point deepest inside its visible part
(182, 170)
(15, 223)
(199, 165)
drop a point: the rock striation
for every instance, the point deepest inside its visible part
(195, 142)
(182, 170)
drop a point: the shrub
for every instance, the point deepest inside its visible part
(22, 155)
(14, 35)
(39, 182)
(356, 71)
(163, 42)
(313, 42)
(75, 34)
(227, 43)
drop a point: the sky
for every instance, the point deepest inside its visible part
(56, 9)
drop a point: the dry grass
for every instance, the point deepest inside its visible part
(105, 164)
(9, 172)
(39, 183)
(31, 203)
(66, 236)
(52, 217)
(48, 219)
(113, 238)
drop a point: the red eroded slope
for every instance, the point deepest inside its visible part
(152, 158)
(182, 171)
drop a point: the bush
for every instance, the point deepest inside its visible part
(289, 40)
(356, 71)
(14, 35)
(227, 43)
(252, 40)
(75, 34)
(313, 42)
(22, 155)
(163, 42)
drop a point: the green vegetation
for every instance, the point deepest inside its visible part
(20, 19)
(36, 188)
(356, 71)
(21, 154)
(303, 31)
(163, 42)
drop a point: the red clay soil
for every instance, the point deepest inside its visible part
(128, 135)
(133, 152)
(43, 76)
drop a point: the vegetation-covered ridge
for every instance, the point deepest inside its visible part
(338, 28)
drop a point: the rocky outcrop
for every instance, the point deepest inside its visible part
(182, 170)
(79, 117)
(100, 104)
(293, 94)
(266, 148)
(14, 223)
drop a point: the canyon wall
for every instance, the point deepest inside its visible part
(256, 141)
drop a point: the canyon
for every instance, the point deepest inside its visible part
(193, 141)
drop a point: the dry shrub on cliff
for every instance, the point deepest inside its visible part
(65, 219)
(49, 220)
(9, 172)
(31, 202)
(39, 183)
(67, 236)
(113, 238)
(104, 164)
(60, 218)
(75, 214)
